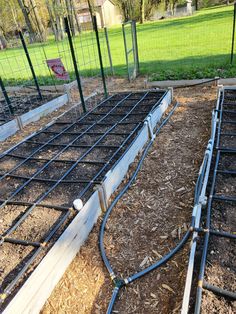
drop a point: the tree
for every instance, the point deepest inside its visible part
(51, 17)
(25, 12)
(33, 20)
(36, 18)
(137, 9)
(142, 11)
(58, 13)
(75, 15)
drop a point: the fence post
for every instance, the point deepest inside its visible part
(136, 45)
(233, 35)
(30, 64)
(5, 95)
(109, 50)
(126, 54)
(67, 29)
(95, 25)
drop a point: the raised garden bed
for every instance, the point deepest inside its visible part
(41, 177)
(27, 109)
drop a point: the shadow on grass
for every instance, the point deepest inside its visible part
(193, 67)
(209, 17)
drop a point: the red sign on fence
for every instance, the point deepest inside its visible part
(58, 69)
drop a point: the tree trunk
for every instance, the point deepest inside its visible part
(167, 2)
(70, 16)
(174, 6)
(58, 19)
(196, 5)
(27, 20)
(142, 11)
(51, 17)
(3, 41)
(76, 15)
(38, 21)
(52, 20)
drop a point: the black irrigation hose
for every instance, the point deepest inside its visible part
(220, 291)
(119, 283)
(197, 84)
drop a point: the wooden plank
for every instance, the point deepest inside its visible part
(8, 129)
(38, 287)
(37, 113)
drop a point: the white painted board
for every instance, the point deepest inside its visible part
(38, 287)
(8, 129)
(37, 113)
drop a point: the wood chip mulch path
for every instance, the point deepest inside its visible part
(146, 223)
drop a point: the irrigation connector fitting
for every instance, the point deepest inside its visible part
(203, 201)
(200, 283)
(119, 283)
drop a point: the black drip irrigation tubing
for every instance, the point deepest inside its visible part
(120, 282)
(128, 137)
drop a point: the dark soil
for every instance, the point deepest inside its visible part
(22, 104)
(41, 221)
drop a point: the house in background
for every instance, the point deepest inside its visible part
(106, 11)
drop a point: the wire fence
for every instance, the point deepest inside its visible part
(27, 70)
(21, 68)
(197, 46)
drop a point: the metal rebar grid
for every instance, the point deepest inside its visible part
(42, 176)
(222, 191)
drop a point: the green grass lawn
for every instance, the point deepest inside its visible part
(180, 48)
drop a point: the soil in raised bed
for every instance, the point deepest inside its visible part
(146, 223)
(22, 104)
(64, 193)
